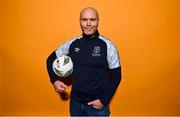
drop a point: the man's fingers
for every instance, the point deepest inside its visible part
(60, 87)
(96, 104)
(91, 103)
(63, 85)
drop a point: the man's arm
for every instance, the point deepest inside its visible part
(109, 92)
(115, 73)
(53, 77)
(113, 85)
(60, 86)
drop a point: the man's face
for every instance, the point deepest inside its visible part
(89, 21)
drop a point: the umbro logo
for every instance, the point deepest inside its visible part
(76, 49)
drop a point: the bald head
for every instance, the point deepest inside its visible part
(89, 20)
(89, 10)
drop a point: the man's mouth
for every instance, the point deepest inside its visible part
(88, 28)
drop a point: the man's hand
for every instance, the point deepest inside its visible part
(96, 104)
(59, 86)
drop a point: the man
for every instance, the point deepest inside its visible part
(95, 59)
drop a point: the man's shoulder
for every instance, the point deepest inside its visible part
(106, 40)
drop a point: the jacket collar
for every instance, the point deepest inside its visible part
(93, 36)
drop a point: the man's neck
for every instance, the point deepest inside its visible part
(90, 36)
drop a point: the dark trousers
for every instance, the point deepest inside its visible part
(78, 109)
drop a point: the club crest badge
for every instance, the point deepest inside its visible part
(96, 51)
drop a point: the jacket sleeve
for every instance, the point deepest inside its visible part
(115, 73)
(53, 77)
(61, 50)
(113, 85)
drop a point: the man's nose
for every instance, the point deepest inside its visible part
(88, 23)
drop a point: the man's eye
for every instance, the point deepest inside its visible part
(83, 19)
(93, 19)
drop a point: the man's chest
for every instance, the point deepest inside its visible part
(90, 53)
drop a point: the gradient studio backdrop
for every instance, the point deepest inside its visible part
(144, 31)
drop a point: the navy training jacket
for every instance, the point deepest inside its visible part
(96, 67)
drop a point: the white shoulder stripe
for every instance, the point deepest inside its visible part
(104, 39)
(112, 53)
(64, 48)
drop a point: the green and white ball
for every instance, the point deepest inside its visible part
(63, 66)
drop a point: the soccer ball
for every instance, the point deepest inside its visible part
(63, 66)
